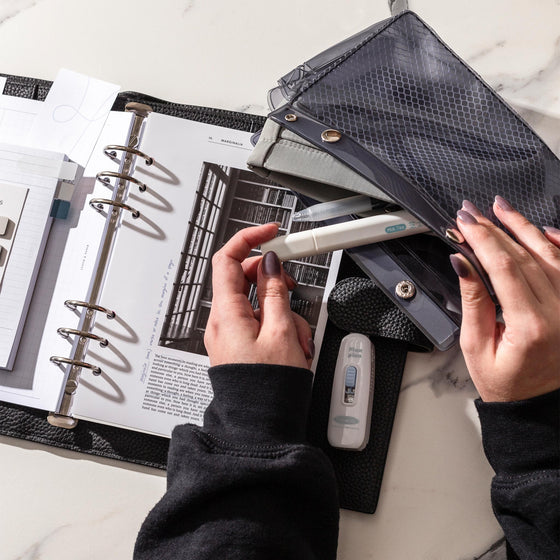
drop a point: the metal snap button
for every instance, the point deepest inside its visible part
(405, 289)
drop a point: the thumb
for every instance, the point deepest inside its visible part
(479, 312)
(272, 294)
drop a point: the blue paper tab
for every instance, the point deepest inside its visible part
(60, 208)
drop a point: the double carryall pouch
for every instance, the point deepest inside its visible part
(394, 114)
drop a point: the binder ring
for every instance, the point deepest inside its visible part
(64, 332)
(111, 152)
(74, 303)
(139, 109)
(96, 370)
(97, 204)
(103, 177)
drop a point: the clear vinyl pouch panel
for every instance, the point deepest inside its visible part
(426, 259)
(290, 85)
(410, 110)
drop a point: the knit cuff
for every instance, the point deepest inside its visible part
(521, 436)
(259, 403)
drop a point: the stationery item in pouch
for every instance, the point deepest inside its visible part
(37, 172)
(345, 235)
(421, 260)
(12, 199)
(343, 207)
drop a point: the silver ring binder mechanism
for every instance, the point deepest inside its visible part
(111, 152)
(83, 334)
(65, 333)
(98, 203)
(73, 304)
(96, 370)
(106, 176)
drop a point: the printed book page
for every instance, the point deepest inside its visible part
(199, 193)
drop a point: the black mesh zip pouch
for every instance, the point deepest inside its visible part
(416, 122)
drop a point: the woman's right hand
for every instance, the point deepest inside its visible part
(519, 358)
(235, 333)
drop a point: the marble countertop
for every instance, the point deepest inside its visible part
(435, 496)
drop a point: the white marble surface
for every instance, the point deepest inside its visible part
(435, 496)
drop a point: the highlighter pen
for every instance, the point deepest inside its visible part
(344, 235)
(334, 209)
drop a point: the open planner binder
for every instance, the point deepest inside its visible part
(114, 335)
(115, 331)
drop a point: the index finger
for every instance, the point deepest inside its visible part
(497, 254)
(545, 253)
(228, 277)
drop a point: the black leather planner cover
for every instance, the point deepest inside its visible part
(359, 474)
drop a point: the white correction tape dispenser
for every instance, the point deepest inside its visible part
(352, 393)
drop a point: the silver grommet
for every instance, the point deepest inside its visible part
(405, 289)
(290, 117)
(455, 235)
(330, 135)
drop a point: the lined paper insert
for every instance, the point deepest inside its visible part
(38, 171)
(12, 199)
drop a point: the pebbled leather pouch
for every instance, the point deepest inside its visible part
(357, 305)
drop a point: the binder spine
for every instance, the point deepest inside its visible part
(115, 206)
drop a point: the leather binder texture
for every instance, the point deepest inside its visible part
(359, 474)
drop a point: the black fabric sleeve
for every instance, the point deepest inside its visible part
(522, 443)
(246, 484)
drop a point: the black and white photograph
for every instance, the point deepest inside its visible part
(228, 200)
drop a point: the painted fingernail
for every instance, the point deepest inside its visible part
(553, 230)
(466, 217)
(471, 208)
(503, 204)
(271, 264)
(459, 266)
(310, 349)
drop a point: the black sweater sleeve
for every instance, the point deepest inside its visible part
(246, 485)
(522, 443)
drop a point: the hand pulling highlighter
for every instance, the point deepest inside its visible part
(352, 393)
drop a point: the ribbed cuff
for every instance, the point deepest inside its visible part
(521, 436)
(259, 403)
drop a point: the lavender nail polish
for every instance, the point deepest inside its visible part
(466, 217)
(271, 264)
(553, 230)
(503, 204)
(459, 266)
(471, 208)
